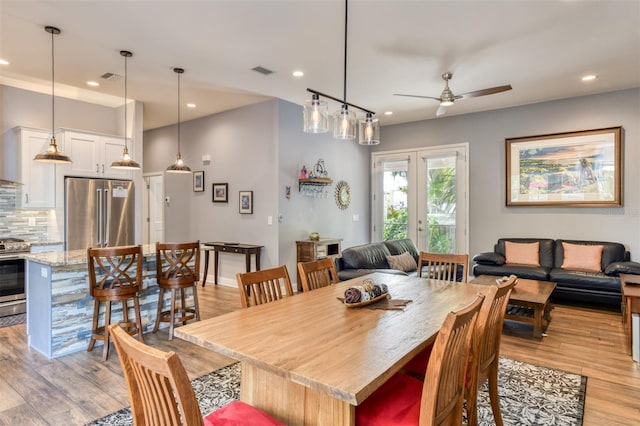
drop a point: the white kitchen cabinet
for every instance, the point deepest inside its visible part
(93, 153)
(38, 190)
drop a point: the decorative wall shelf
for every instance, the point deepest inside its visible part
(313, 182)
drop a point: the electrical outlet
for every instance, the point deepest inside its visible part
(32, 221)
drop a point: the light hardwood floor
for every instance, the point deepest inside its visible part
(78, 388)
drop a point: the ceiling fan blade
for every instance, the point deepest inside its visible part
(417, 96)
(484, 92)
(441, 110)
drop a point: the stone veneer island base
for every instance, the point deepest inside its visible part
(60, 308)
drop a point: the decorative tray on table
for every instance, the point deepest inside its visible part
(364, 294)
(368, 302)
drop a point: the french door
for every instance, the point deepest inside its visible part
(422, 195)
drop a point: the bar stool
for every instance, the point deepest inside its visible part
(115, 274)
(174, 272)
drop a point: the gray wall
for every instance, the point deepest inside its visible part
(260, 148)
(486, 133)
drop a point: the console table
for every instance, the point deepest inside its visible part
(631, 305)
(217, 247)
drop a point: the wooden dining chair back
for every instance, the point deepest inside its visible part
(486, 350)
(447, 267)
(161, 394)
(443, 389)
(115, 275)
(177, 269)
(264, 286)
(316, 274)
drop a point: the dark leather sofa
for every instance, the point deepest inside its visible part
(367, 258)
(573, 286)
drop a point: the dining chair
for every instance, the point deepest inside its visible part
(405, 400)
(177, 269)
(318, 273)
(161, 394)
(447, 267)
(485, 351)
(115, 275)
(264, 286)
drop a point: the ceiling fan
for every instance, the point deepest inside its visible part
(447, 98)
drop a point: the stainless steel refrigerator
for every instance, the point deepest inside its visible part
(98, 213)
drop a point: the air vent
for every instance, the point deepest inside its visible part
(111, 76)
(262, 70)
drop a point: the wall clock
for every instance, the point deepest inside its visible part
(343, 195)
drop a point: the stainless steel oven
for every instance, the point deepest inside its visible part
(12, 278)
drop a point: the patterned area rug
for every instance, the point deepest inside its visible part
(529, 395)
(13, 320)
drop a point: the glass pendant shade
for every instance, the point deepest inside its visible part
(316, 115)
(53, 153)
(178, 166)
(125, 162)
(344, 124)
(369, 130)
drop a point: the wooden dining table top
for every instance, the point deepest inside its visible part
(315, 340)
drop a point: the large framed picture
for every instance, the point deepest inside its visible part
(198, 181)
(574, 169)
(246, 202)
(220, 193)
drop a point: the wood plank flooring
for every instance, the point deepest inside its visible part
(78, 388)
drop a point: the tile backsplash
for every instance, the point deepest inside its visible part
(31, 225)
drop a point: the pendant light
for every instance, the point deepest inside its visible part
(52, 154)
(125, 162)
(344, 120)
(178, 166)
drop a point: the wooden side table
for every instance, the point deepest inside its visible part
(311, 250)
(630, 303)
(217, 247)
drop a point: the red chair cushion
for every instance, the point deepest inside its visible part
(418, 364)
(239, 413)
(396, 402)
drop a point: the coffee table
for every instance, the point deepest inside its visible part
(529, 301)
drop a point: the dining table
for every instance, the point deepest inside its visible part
(310, 359)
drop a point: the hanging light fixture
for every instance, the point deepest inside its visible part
(344, 120)
(125, 162)
(52, 154)
(178, 166)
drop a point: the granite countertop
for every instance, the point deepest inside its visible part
(74, 257)
(46, 243)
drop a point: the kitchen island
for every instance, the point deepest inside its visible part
(59, 306)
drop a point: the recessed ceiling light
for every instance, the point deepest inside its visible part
(298, 74)
(191, 105)
(589, 77)
(4, 62)
(93, 83)
(388, 113)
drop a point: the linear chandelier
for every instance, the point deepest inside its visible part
(125, 162)
(53, 153)
(316, 116)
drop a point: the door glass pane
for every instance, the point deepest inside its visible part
(395, 185)
(441, 204)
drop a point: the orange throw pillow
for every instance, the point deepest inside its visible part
(582, 257)
(522, 253)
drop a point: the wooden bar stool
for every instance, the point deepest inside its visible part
(177, 265)
(115, 274)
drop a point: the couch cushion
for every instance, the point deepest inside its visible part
(521, 271)
(522, 253)
(611, 252)
(582, 257)
(400, 246)
(366, 256)
(402, 262)
(545, 251)
(593, 281)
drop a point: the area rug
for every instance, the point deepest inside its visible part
(529, 395)
(13, 320)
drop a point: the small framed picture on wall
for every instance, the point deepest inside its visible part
(246, 202)
(220, 193)
(198, 181)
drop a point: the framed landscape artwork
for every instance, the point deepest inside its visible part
(220, 193)
(246, 202)
(574, 169)
(198, 181)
